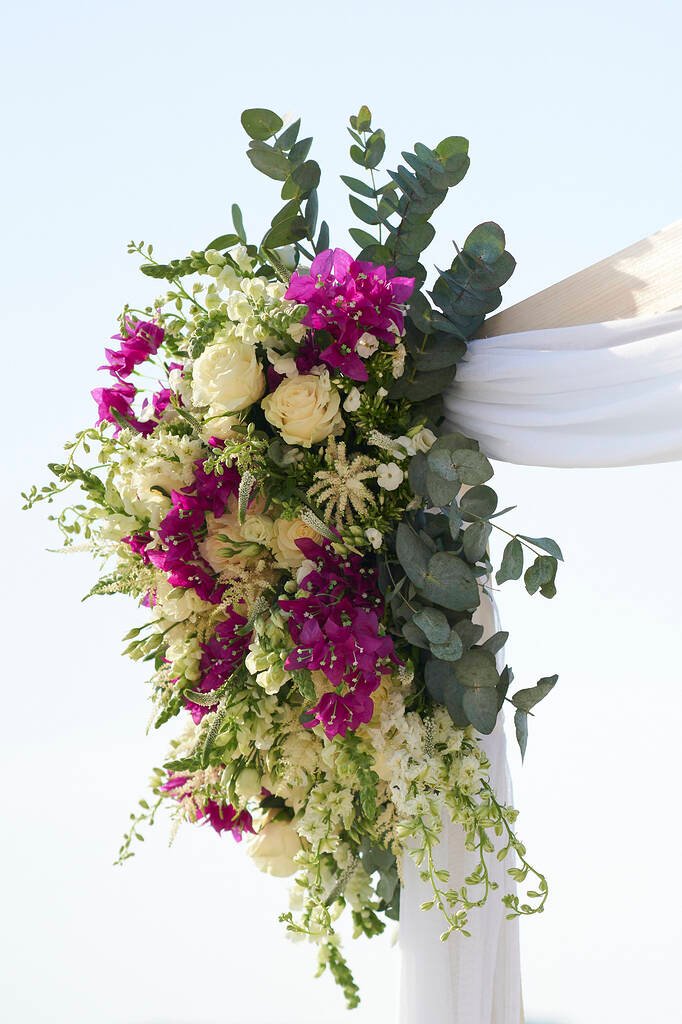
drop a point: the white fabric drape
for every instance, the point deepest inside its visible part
(597, 395)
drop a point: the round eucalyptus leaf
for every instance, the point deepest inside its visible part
(475, 542)
(451, 649)
(261, 124)
(472, 466)
(481, 708)
(450, 582)
(441, 491)
(480, 501)
(477, 669)
(486, 241)
(440, 462)
(413, 554)
(433, 623)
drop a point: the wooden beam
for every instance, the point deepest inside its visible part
(644, 279)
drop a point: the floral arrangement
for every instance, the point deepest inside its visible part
(310, 541)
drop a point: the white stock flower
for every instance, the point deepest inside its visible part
(424, 440)
(227, 376)
(375, 537)
(274, 848)
(398, 360)
(238, 306)
(389, 476)
(248, 784)
(241, 258)
(297, 332)
(352, 402)
(305, 409)
(367, 345)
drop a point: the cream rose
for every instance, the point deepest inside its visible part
(285, 534)
(273, 849)
(227, 377)
(229, 544)
(305, 409)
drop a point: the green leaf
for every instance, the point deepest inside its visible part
(286, 232)
(322, 242)
(475, 541)
(441, 491)
(470, 632)
(223, 242)
(546, 544)
(433, 624)
(455, 520)
(496, 642)
(261, 124)
(363, 121)
(450, 649)
(511, 566)
(436, 351)
(480, 501)
(362, 238)
(362, 211)
(521, 727)
(481, 707)
(540, 574)
(358, 186)
(477, 669)
(306, 177)
(414, 635)
(238, 222)
(440, 461)
(289, 135)
(486, 242)
(416, 474)
(271, 162)
(357, 155)
(528, 698)
(413, 554)
(450, 582)
(299, 152)
(375, 148)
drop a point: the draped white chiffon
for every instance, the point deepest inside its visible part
(605, 394)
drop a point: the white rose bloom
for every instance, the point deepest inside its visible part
(305, 409)
(389, 476)
(151, 484)
(352, 402)
(424, 440)
(273, 849)
(179, 606)
(375, 537)
(286, 533)
(217, 425)
(258, 529)
(407, 443)
(227, 376)
(367, 345)
(219, 547)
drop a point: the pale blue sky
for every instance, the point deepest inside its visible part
(123, 121)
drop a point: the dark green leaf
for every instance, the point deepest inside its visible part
(362, 238)
(546, 544)
(436, 351)
(362, 211)
(469, 631)
(238, 222)
(511, 566)
(358, 186)
(455, 520)
(441, 491)
(306, 176)
(450, 649)
(433, 624)
(300, 151)
(481, 707)
(322, 242)
(528, 698)
(414, 635)
(440, 461)
(416, 474)
(475, 541)
(223, 242)
(486, 241)
(261, 124)
(450, 582)
(363, 121)
(289, 135)
(480, 501)
(375, 149)
(413, 554)
(271, 162)
(496, 642)
(310, 213)
(477, 669)
(521, 726)
(286, 232)
(540, 573)
(357, 155)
